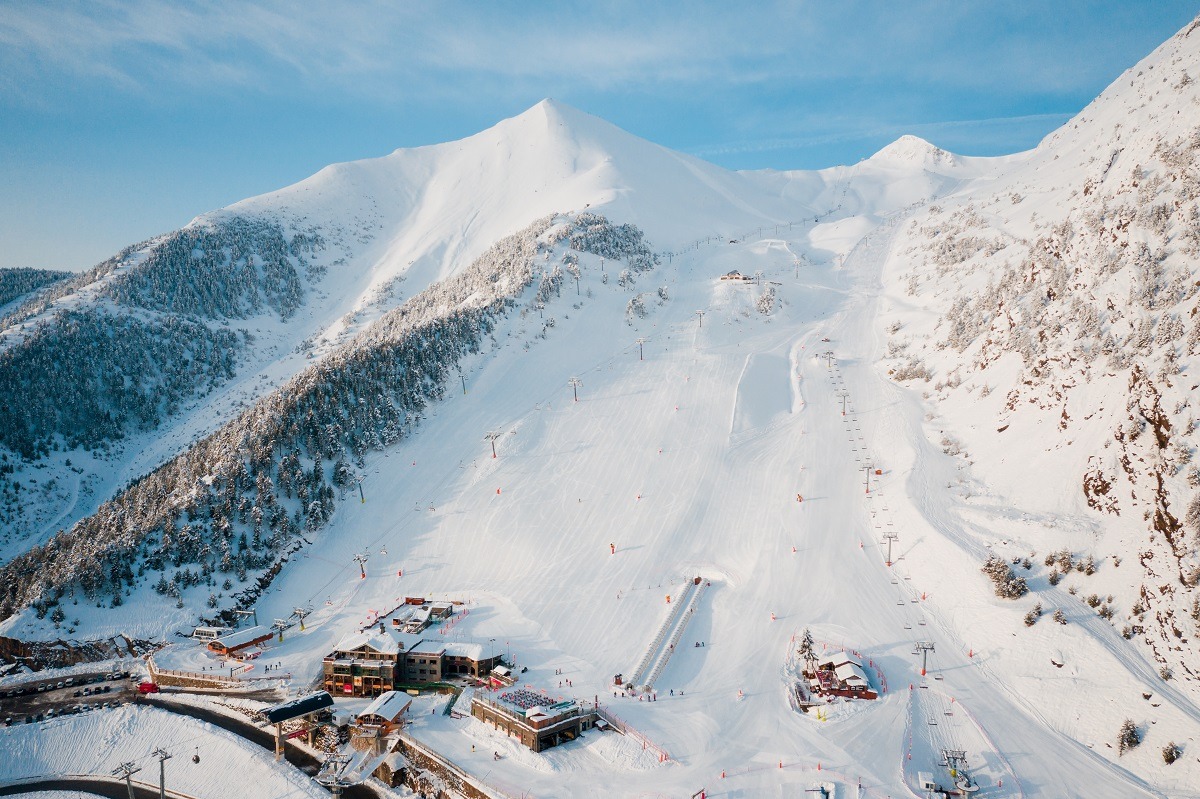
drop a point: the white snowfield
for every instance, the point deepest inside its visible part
(97, 742)
(724, 452)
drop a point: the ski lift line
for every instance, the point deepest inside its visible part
(399, 526)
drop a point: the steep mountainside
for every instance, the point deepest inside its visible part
(165, 341)
(1056, 332)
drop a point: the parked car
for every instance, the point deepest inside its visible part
(148, 688)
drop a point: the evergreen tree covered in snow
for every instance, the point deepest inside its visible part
(1129, 737)
(1008, 584)
(16, 283)
(238, 501)
(91, 376)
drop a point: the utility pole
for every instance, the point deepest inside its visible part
(923, 648)
(124, 772)
(701, 315)
(491, 436)
(843, 395)
(868, 467)
(641, 354)
(163, 757)
(890, 537)
(361, 560)
(575, 383)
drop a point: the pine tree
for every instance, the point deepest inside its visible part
(1129, 737)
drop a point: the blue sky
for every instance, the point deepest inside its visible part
(120, 120)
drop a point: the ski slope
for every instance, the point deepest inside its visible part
(689, 461)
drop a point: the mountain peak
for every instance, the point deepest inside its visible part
(914, 150)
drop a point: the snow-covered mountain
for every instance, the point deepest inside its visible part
(1052, 318)
(976, 361)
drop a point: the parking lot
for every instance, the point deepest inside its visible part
(37, 700)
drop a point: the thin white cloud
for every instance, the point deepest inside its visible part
(395, 49)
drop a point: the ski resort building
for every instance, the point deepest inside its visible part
(534, 718)
(239, 641)
(372, 662)
(841, 674)
(385, 712)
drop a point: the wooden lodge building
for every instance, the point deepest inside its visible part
(841, 674)
(372, 662)
(385, 713)
(239, 640)
(535, 719)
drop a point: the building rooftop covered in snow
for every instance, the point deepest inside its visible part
(538, 720)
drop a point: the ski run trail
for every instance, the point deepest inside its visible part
(688, 463)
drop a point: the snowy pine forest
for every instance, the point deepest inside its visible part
(16, 283)
(235, 506)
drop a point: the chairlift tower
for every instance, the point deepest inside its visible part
(641, 353)
(252, 612)
(828, 356)
(279, 625)
(890, 537)
(575, 383)
(124, 772)
(361, 560)
(491, 436)
(843, 395)
(869, 468)
(701, 315)
(923, 648)
(300, 613)
(163, 756)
